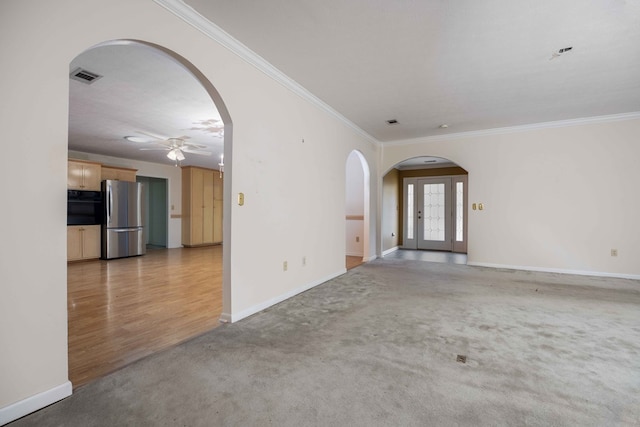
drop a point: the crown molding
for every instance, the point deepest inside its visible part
(211, 30)
(516, 129)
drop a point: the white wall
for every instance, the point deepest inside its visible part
(291, 209)
(172, 174)
(555, 199)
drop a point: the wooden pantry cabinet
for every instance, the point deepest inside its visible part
(201, 206)
(83, 242)
(83, 175)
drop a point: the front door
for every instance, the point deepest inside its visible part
(435, 213)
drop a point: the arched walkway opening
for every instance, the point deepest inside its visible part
(424, 208)
(140, 112)
(357, 209)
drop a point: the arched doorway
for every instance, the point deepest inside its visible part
(425, 206)
(152, 96)
(357, 209)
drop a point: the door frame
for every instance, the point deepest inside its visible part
(410, 240)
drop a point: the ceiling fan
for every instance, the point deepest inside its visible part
(176, 147)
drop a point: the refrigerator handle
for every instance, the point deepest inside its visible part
(109, 203)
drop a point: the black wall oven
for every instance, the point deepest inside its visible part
(84, 207)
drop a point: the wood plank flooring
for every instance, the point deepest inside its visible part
(353, 261)
(125, 309)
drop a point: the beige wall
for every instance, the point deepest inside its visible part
(555, 198)
(291, 206)
(391, 208)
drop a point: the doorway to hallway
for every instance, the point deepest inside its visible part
(357, 209)
(154, 206)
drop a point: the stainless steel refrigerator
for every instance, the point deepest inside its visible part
(122, 230)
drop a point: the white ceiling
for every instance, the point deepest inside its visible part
(472, 65)
(143, 92)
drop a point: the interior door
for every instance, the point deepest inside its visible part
(434, 214)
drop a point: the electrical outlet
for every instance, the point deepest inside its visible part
(284, 266)
(357, 239)
(614, 252)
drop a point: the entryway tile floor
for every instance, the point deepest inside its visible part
(430, 256)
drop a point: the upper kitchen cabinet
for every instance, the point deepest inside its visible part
(118, 174)
(83, 175)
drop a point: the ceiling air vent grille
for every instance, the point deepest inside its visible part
(84, 76)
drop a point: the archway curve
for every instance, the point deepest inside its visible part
(225, 116)
(228, 168)
(422, 167)
(357, 202)
(447, 160)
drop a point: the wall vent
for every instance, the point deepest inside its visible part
(84, 76)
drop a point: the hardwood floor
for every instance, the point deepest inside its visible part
(125, 309)
(353, 261)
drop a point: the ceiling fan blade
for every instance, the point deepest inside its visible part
(193, 146)
(202, 153)
(155, 149)
(152, 135)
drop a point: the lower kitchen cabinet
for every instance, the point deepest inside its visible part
(83, 242)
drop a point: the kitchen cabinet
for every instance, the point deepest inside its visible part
(83, 242)
(118, 174)
(83, 175)
(201, 206)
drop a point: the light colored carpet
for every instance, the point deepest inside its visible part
(378, 346)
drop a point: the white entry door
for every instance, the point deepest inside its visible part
(435, 213)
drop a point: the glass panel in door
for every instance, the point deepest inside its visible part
(409, 240)
(460, 214)
(434, 214)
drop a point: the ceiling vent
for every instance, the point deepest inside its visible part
(84, 76)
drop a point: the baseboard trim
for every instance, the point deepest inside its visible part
(35, 402)
(354, 254)
(388, 251)
(371, 258)
(234, 317)
(557, 270)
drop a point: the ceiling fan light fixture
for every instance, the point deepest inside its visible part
(173, 154)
